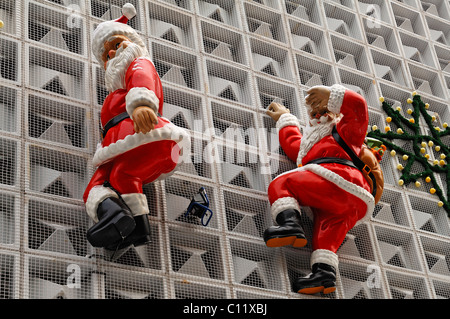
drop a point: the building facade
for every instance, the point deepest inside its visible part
(221, 63)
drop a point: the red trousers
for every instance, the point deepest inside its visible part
(128, 172)
(335, 210)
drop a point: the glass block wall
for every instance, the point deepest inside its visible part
(221, 63)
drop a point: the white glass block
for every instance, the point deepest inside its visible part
(428, 217)
(56, 29)
(56, 173)
(56, 122)
(235, 125)
(241, 168)
(9, 272)
(436, 255)
(255, 265)
(228, 82)
(184, 110)
(439, 30)
(198, 163)
(391, 208)
(313, 72)
(7, 15)
(443, 55)
(398, 248)
(194, 290)
(172, 26)
(417, 50)
(271, 60)
(8, 109)
(185, 4)
(265, 23)
(195, 254)
(358, 244)
(9, 57)
(246, 214)
(426, 81)
(381, 36)
(441, 289)
(375, 10)
(408, 19)
(345, 3)
(120, 284)
(436, 8)
(223, 43)
(389, 68)
(271, 91)
(308, 39)
(220, 10)
(360, 281)
(8, 161)
(57, 228)
(50, 279)
(55, 73)
(406, 286)
(308, 10)
(361, 84)
(176, 66)
(342, 21)
(350, 54)
(8, 213)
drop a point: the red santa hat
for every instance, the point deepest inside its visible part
(109, 28)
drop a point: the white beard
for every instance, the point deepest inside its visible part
(313, 133)
(116, 68)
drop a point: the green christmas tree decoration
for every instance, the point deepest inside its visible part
(407, 131)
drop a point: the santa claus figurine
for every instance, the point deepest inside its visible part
(326, 181)
(138, 145)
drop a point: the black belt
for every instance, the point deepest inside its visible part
(116, 120)
(113, 122)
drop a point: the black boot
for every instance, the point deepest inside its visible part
(322, 279)
(138, 237)
(115, 223)
(288, 232)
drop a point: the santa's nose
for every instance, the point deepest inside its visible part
(112, 53)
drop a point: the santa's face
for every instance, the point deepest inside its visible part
(113, 46)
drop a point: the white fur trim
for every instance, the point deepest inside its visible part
(137, 203)
(283, 204)
(96, 195)
(167, 132)
(324, 256)
(336, 98)
(128, 10)
(287, 119)
(141, 96)
(342, 183)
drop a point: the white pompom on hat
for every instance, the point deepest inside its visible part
(109, 28)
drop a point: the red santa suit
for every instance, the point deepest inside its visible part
(338, 195)
(128, 160)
